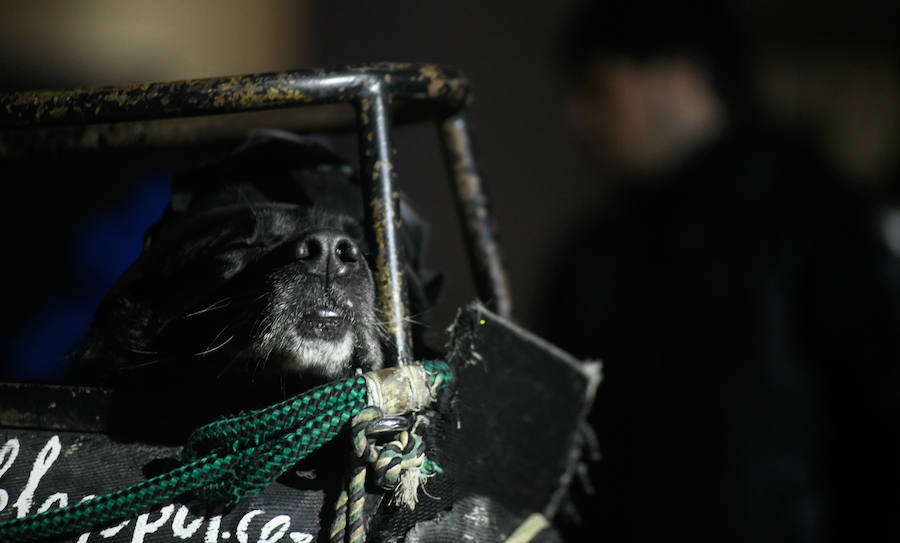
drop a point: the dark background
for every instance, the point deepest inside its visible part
(830, 67)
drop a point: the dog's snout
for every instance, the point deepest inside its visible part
(328, 253)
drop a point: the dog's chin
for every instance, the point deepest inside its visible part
(320, 344)
(324, 355)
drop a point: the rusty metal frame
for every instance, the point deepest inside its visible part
(84, 119)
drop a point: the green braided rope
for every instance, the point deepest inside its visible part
(245, 429)
(224, 461)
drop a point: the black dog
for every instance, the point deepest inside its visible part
(253, 285)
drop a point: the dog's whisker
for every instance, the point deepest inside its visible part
(215, 339)
(258, 324)
(129, 367)
(225, 302)
(261, 363)
(216, 348)
(381, 327)
(139, 351)
(414, 321)
(382, 332)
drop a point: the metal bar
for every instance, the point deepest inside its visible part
(383, 216)
(479, 232)
(233, 94)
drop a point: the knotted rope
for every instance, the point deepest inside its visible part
(399, 465)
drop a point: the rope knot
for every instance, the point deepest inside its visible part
(395, 452)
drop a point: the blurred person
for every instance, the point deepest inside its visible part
(741, 295)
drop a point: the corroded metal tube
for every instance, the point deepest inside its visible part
(491, 281)
(234, 94)
(383, 217)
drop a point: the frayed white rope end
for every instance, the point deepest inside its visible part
(407, 491)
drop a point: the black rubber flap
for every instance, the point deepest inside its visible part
(508, 440)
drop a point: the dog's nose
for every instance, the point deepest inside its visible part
(328, 253)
